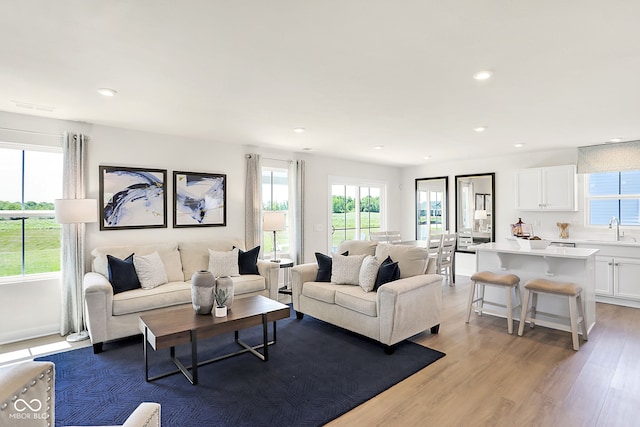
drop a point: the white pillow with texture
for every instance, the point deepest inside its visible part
(346, 269)
(368, 273)
(150, 270)
(224, 263)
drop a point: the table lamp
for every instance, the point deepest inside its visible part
(274, 221)
(480, 215)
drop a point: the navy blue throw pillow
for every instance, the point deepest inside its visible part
(248, 261)
(324, 266)
(122, 274)
(388, 272)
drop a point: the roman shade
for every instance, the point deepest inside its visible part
(621, 156)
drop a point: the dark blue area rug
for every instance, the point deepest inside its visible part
(315, 373)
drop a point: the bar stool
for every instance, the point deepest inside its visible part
(576, 309)
(504, 281)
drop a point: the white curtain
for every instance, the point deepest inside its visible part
(73, 266)
(253, 203)
(298, 170)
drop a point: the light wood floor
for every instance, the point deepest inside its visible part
(491, 378)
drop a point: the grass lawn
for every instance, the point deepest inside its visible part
(42, 246)
(345, 224)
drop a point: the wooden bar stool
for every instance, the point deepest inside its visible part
(576, 309)
(504, 281)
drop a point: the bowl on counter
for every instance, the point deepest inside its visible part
(533, 244)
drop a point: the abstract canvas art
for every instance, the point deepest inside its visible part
(199, 199)
(132, 198)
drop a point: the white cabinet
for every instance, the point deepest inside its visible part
(549, 189)
(604, 275)
(618, 277)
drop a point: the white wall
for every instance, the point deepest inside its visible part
(504, 199)
(32, 308)
(29, 309)
(544, 223)
(317, 215)
(110, 146)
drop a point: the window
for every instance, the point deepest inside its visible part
(275, 197)
(29, 236)
(429, 213)
(355, 212)
(614, 194)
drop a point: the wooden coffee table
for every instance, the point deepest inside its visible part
(182, 325)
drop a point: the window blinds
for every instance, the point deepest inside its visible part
(621, 156)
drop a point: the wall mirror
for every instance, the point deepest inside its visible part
(475, 203)
(432, 206)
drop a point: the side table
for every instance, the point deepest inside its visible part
(286, 264)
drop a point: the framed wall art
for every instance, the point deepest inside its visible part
(199, 199)
(132, 198)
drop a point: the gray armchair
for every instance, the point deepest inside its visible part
(27, 394)
(27, 398)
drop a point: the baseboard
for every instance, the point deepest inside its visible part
(27, 334)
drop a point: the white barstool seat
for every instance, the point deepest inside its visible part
(576, 309)
(504, 281)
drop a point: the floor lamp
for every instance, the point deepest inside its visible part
(274, 221)
(75, 213)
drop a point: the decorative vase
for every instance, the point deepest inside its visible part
(202, 285)
(226, 282)
(562, 226)
(221, 311)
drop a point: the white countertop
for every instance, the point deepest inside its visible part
(550, 251)
(597, 242)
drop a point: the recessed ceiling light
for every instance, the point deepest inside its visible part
(426, 157)
(615, 140)
(378, 147)
(105, 91)
(483, 75)
(299, 130)
(480, 128)
(519, 144)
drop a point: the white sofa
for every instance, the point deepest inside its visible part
(109, 317)
(397, 311)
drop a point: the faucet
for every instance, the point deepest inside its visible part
(617, 221)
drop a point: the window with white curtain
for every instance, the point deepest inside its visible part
(614, 194)
(275, 197)
(29, 236)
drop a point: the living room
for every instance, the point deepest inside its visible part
(29, 307)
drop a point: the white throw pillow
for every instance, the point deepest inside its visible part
(224, 263)
(150, 270)
(346, 269)
(368, 273)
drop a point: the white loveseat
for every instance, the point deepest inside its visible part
(109, 317)
(395, 312)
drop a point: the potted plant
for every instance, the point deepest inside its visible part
(221, 296)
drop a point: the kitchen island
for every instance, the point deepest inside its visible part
(561, 264)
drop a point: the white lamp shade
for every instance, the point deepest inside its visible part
(480, 214)
(76, 211)
(274, 221)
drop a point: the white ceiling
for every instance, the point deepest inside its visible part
(354, 74)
